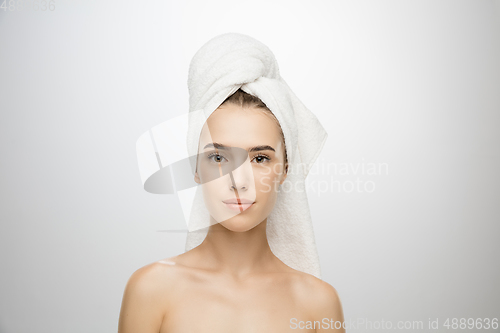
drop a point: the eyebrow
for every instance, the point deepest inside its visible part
(221, 146)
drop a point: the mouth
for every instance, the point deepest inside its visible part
(238, 204)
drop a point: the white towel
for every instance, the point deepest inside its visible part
(223, 65)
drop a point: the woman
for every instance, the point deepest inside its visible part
(233, 281)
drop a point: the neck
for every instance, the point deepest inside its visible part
(237, 253)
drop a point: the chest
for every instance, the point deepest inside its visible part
(220, 308)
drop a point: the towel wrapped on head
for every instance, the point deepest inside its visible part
(235, 61)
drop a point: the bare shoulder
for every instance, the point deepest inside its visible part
(315, 290)
(321, 298)
(152, 277)
(145, 298)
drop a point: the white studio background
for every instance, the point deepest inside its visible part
(410, 89)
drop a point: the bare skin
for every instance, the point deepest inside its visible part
(232, 282)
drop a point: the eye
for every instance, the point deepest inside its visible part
(218, 158)
(261, 158)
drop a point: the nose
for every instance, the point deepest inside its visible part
(242, 188)
(240, 178)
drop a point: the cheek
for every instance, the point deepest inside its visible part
(213, 190)
(266, 181)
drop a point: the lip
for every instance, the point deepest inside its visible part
(238, 201)
(240, 206)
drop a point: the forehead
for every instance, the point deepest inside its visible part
(240, 127)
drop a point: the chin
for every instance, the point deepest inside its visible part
(236, 224)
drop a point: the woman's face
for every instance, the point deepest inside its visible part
(240, 166)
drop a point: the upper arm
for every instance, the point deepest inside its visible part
(328, 306)
(142, 309)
